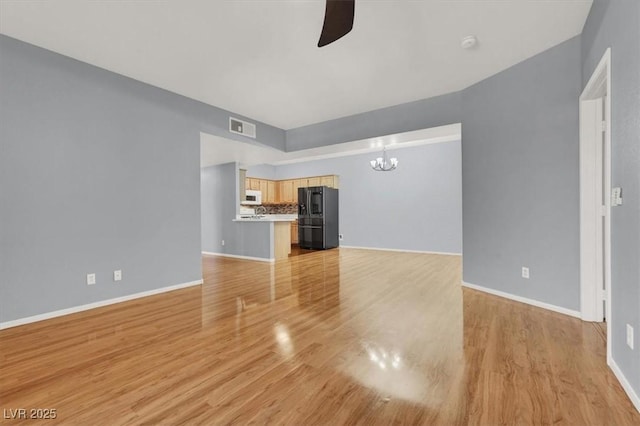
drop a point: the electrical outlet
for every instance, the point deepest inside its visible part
(91, 279)
(117, 275)
(340, 237)
(222, 242)
(525, 272)
(629, 336)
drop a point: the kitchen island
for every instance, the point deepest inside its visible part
(277, 227)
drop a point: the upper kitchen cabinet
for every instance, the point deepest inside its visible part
(314, 181)
(271, 196)
(286, 192)
(330, 181)
(296, 185)
(264, 188)
(267, 187)
(252, 184)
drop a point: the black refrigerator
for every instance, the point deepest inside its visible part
(318, 217)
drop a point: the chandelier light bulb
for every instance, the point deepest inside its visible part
(383, 164)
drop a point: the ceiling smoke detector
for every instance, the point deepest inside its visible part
(468, 42)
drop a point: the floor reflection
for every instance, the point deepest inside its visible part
(317, 284)
(391, 328)
(410, 334)
(390, 333)
(331, 337)
(313, 285)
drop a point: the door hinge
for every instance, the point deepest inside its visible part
(603, 126)
(603, 210)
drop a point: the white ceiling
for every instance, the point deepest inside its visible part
(259, 57)
(216, 150)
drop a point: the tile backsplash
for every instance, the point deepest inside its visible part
(282, 209)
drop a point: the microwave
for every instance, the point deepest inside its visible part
(252, 198)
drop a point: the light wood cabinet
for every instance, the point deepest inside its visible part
(271, 192)
(313, 181)
(264, 188)
(252, 184)
(296, 185)
(281, 240)
(331, 181)
(286, 191)
(267, 187)
(294, 232)
(280, 191)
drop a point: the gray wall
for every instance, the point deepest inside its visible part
(219, 198)
(263, 171)
(216, 192)
(616, 24)
(519, 171)
(416, 115)
(520, 178)
(415, 207)
(206, 118)
(97, 173)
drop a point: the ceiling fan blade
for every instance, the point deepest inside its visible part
(338, 20)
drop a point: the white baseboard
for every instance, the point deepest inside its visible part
(99, 304)
(236, 256)
(402, 250)
(521, 299)
(633, 396)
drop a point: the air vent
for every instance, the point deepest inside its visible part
(242, 127)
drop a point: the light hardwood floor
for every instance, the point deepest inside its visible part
(335, 337)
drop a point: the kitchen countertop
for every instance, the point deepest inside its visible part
(268, 218)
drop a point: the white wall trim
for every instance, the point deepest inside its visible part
(401, 250)
(633, 396)
(591, 295)
(99, 304)
(237, 256)
(438, 134)
(521, 299)
(598, 75)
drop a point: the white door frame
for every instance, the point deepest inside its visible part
(591, 295)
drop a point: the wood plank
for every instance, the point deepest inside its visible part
(312, 339)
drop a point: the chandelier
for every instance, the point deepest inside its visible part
(384, 164)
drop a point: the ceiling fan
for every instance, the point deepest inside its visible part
(338, 20)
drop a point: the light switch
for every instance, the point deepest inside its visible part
(616, 196)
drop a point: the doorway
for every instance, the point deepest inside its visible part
(595, 197)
